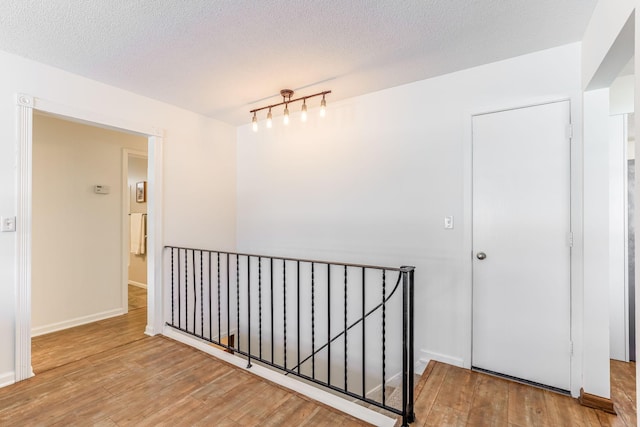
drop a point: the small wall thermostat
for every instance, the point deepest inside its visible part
(101, 189)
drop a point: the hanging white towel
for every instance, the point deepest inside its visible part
(138, 233)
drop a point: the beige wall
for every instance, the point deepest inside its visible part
(137, 173)
(77, 234)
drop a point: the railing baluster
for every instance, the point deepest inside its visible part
(249, 311)
(364, 348)
(260, 307)
(186, 290)
(195, 292)
(284, 292)
(219, 308)
(345, 327)
(271, 301)
(179, 273)
(384, 327)
(329, 323)
(201, 297)
(298, 308)
(172, 289)
(228, 305)
(313, 323)
(238, 301)
(210, 315)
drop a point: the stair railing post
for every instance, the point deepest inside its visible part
(407, 345)
(410, 412)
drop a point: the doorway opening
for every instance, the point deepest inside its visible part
(27, 107)
(76, 265)
(622, 252)
(134, 165)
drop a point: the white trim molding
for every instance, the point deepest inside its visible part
(155, 303)
(427, 356)
(24, 134)
(7, 378)
(53, 327)
(137, 284)
(23, 228)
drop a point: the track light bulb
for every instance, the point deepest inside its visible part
(255, 122)
(269, 119)
(303, 116)
(323, 107)
(286, 115)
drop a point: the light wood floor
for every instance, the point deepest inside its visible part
(73, 344)
(451, 396)
(109, 373)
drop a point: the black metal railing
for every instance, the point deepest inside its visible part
(281, 312)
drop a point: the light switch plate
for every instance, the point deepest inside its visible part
(448, 222)
(7, 223)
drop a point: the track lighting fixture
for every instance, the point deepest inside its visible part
(286, 100)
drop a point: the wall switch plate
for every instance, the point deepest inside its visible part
(7, 223)
(448, 222)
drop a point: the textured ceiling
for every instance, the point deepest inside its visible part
(222, 58)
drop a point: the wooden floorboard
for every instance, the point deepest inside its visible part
(450, 396)
(73, 344)
(110, 374)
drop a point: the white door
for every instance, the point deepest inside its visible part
(521, 251)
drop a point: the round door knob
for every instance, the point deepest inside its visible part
(481, 256)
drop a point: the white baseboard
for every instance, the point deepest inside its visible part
(322, 396)
(427, 356)
(393, 381)
(149, 330)
(7, 378)
(53, 327)
(138, 284)
(396, 379)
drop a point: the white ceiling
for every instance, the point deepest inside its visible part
(222, 58)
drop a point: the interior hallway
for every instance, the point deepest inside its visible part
(59, 348)
(109, 373)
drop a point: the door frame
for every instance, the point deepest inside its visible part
(26, 104)
(575, 168)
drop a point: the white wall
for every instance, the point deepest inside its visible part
(199, 167)
(596, 242)
(617, 238)
(607, 47)
(605, 26)
(77, 244)
(137, 173)
(373, 181)
(621, 95)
